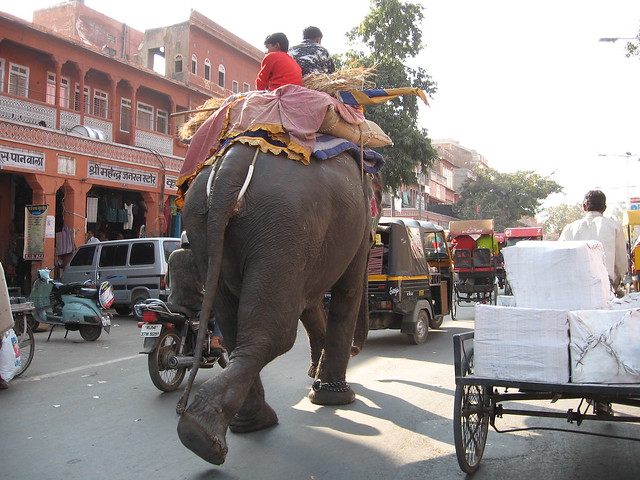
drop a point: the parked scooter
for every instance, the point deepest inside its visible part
(76, 306)
(170, 333)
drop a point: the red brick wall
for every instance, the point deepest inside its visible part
(78, 21)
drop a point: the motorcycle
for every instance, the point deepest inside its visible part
(169, 332)
(77, 306)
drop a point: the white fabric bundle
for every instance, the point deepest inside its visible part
(558, 275)
(605, 346)
(525, 344)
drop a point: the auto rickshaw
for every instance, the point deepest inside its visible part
(410, 277)
(631, 218)
(474, 268)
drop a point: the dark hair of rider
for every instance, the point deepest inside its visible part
(595, 201)
(310, 33)
(279, 39)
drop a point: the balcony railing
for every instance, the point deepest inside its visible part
(162, 144)
(23, 111)
(37, 113)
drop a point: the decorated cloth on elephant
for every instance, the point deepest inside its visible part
(328, 146)
(290, 114)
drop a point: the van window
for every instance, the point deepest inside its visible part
(142, 253)
(84, 256)
(169, 247)
(114, 255)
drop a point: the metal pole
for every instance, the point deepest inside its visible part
(420, 194)
(163, 181)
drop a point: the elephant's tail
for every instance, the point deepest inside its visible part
(228, 182)
(226, 186)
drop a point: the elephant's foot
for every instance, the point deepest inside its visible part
(204, 438)
(263, 418)
(331, 393)
(313, 369)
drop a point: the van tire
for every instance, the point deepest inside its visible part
(139, 298)
(122, 309)
(421, 330)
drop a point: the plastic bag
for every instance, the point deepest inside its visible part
(9, 355)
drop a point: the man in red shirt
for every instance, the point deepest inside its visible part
(278, 67)
(463, 242)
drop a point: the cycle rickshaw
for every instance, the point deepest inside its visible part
(21, 311)
(474, 268)
(478, 403)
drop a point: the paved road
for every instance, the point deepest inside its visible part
(89, 411)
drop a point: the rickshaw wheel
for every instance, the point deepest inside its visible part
(436, 322)
(421, 329)
(470, 424)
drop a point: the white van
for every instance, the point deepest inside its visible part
(135, 267)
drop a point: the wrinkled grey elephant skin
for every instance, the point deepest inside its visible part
(268, 260)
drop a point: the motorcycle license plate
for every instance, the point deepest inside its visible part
(150, 330)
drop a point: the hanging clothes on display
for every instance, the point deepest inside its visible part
(65, 241)
(128, 225)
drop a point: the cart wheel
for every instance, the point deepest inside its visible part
(470, 424)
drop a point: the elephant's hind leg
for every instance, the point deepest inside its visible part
(330, 386)
(315, 323)
(255, 414)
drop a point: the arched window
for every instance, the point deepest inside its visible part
(177, 64)
(221, 75)
(194, 64)
(207, 69)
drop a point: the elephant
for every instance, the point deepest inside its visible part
(268, 258)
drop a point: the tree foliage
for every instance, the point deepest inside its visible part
(556, 218)
(633, 47)
(505, 197)
(391, 34)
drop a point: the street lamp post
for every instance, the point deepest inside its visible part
(625, 155)
(162, 182)
(420, 194)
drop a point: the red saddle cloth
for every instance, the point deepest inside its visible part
(290, 114)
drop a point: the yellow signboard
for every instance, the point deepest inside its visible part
(631, 217)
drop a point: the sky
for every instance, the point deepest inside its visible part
(525, 83)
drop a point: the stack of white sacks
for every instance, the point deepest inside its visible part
(565, 325)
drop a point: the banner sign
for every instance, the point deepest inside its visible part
(25, 159)
(116, 173)
(34, 230)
